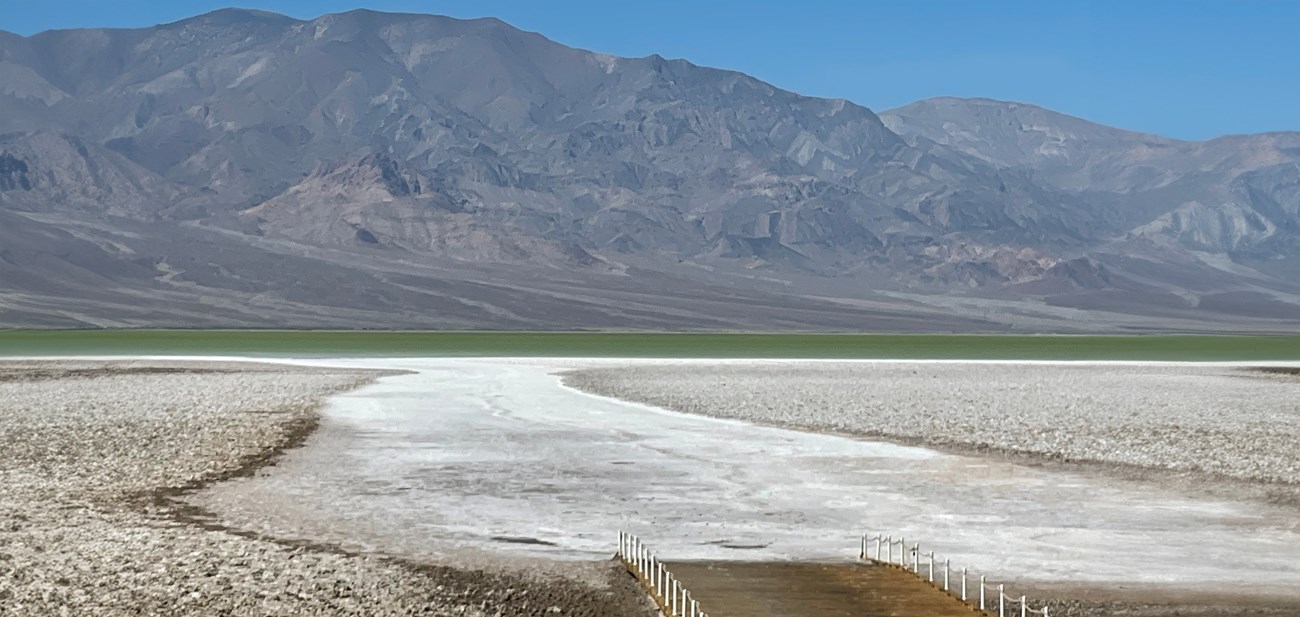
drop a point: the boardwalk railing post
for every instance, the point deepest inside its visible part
(667, 586)
(654, 577)
(659, 579)
(885, 554)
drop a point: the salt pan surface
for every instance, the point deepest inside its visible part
(497, 457)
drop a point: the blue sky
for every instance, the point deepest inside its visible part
(1192, 69)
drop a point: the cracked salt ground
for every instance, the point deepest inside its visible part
(475, 458)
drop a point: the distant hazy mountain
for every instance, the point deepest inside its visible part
(375, 170)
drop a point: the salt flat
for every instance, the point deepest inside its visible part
(483, 458)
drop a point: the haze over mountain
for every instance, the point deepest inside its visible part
(243, 168)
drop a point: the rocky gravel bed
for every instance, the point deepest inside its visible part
(1210, 422)
(92, 454)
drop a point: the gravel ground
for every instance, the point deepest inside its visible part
(93, 455)
(1200, 422)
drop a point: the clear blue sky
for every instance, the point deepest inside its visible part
(1184, 68)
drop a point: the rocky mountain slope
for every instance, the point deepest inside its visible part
(365, 169)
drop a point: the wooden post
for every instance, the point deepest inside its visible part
(981, 592)
(947, 571)
(931, 566)
(1024, 607)
(1002, 602)
(963, 584)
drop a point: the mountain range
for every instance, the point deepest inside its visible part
(374, 170)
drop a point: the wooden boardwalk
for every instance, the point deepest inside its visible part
(779, 589)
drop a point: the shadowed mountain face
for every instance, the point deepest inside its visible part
(375, 170)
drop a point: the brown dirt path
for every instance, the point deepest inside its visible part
(767, 589)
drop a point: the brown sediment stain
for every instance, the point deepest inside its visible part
(1293, 371)
(522, 540)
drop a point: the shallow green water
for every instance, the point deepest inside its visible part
(331, 343)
